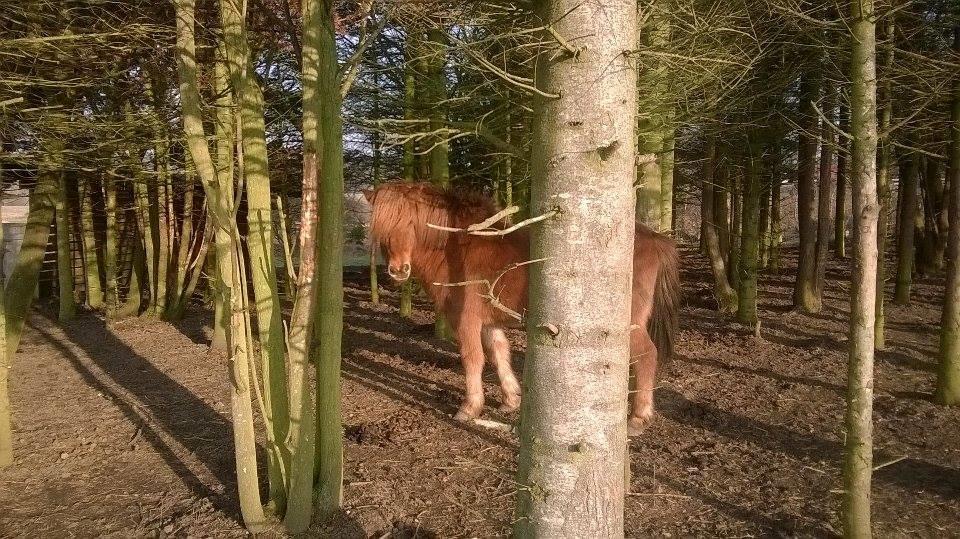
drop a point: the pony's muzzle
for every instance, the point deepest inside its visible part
(401, 274)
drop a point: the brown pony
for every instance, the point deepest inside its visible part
(401, 212)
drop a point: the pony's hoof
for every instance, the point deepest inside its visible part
(464, 416)
(636, 425)
(510, 405)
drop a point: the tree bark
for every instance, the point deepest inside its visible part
(907, 230)
(858, 454)
(68, 307)
(805, 291)
(825, 209)
(776, 228)
(725, 294)
(329, 308)
(91, 260)
(653, 125)
(840, 207)
(948, 374)
(263, 274)
(884, 162)
(221, 208)
(6, 432)
(750, 239)
(573, 422)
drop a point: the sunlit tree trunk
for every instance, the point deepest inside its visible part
(220, 207)
(906, 230)
(805, 292)
(409, 157)
(64, 253)
(858, 454)
(259, 239)
(22, 281)
(666, 175)
(223, 133)
(573, 423)
(725, 294)
(948, 375)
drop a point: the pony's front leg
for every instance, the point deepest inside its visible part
(471, 354)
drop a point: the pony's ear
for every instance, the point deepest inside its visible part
(368, 194)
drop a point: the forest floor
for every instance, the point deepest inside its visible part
(124, 429)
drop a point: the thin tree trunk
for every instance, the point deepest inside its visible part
(776, 228)
(858, 455)
(91, 260)
(736, 222)
(221, 210)
(840, 207)
(409, 157)
(653, 130)
(907, 231)
(223, 130)
(750, 240)
(64, 253)
(805, 291)
(948, 375)
(573, 428)
(884, 162)
(110, 251)
(825, 209)
(725, 294)
(260, 242)
(666, 176)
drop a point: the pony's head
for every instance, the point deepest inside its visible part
(401, 212)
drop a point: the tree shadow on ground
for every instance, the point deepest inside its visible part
(157, 404)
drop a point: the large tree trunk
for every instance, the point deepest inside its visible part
(220, 206)
(259, 241)
(804, 290)
(858, 455)
(948, 375)
(22, 281)
(329, 308)
(907, 230)
(573, 424)
(725, 294)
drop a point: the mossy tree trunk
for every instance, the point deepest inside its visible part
(329, 309)
(858, 454)
(573, 437)
(110, 251)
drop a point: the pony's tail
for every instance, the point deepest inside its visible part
(666, 299)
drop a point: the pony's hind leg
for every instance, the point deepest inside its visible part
(497, 347)
(643, 366)
(471, 354)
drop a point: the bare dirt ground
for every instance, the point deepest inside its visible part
(124, 429)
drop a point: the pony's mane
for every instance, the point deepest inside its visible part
(413, 205)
